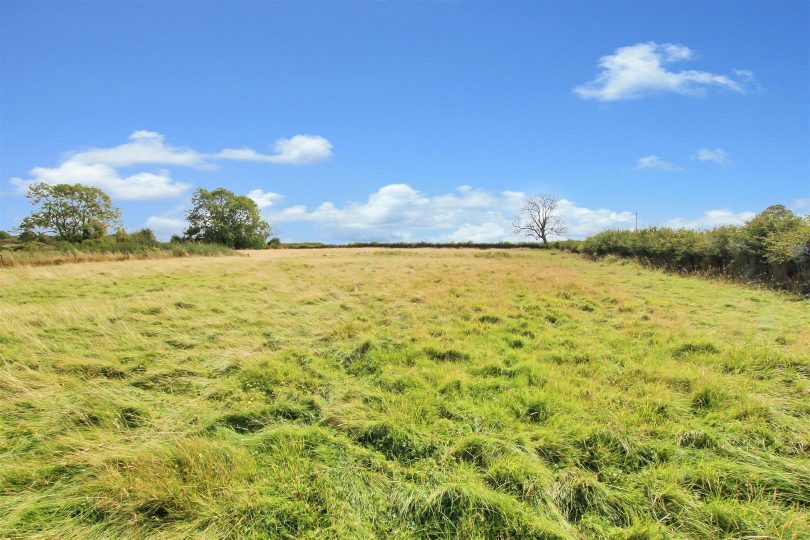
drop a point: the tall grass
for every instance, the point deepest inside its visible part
(112, 252)
(422, 394)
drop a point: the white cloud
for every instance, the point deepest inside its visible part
(582, 222)
(711, 218)
(242, 154)
(169, 222)
(395, 209)
(655, 163)
(296, 150)
(639, 70)
(484, 232)
(164, 227)
(98, 167)
(718, 156)
(801, 206)
(144, 147)
(398, 212)
(139, 186)
(264, 199)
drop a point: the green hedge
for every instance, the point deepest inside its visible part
(568, 245)
(772, 248)
(43, 249)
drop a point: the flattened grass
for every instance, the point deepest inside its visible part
(423, 394)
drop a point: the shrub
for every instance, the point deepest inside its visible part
(773, 247)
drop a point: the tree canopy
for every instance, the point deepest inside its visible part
(72, 212)
(222, 217)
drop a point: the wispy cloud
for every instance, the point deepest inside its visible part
(655, 163)
(801, 206)
(717, 155)
(296, 150)
(711, 218)
(640, 70)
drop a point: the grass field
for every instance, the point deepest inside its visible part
(399, 394)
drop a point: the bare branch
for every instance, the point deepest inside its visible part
(539, 218)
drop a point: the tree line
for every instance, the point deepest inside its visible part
(773, 247)
(79, 214)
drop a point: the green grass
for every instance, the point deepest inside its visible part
(420, 394)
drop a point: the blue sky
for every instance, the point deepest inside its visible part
(396, 121)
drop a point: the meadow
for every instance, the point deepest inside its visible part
(383, 393)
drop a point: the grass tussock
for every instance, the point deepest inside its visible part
(308, 394)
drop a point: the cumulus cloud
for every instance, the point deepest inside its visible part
(711, 218)
(718, 156)
(164, 227)
(398, 212)
(484, 232)
(640, 70)
(296, 150)
(395, 210)
(143, 147)
(169, 222)
(139, 186)
(99, 167)
(655, 163)
(582, 222)
(264, 199)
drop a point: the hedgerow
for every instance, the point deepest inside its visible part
(772, 248)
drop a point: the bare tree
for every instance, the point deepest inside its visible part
(539, 218)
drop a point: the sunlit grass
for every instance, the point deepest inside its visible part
(48, 255)
(399, 394)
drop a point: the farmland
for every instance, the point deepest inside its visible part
(364, 393)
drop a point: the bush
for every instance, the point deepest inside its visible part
(773, 248)
(144, 237)
(42, 249)
(28, 236)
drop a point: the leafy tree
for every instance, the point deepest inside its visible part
(774, 221)
(72, 212)
(121, 235)
(222, 217)
(789, 243)
(145, 237)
